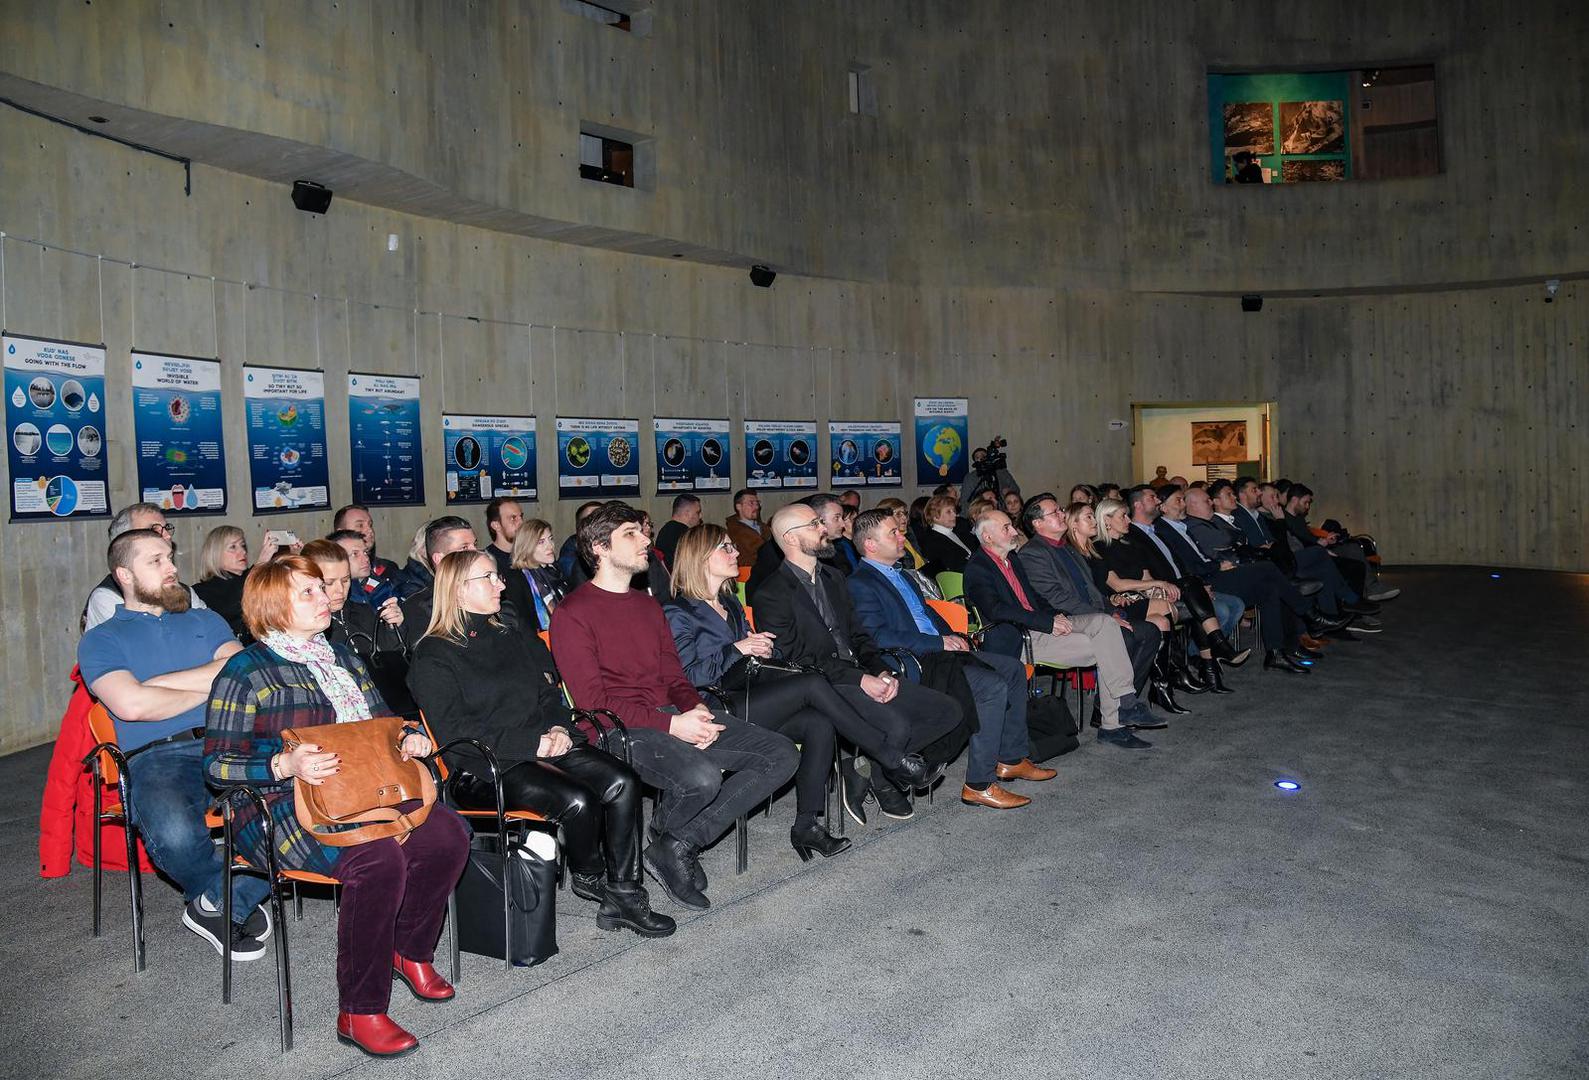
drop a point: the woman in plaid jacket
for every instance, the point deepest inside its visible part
(394, 895)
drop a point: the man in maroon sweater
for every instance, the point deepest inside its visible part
(614, 649)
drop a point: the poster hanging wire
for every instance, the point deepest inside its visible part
(556, 401)
(2, 279)
(529, 359)
(347, 332)
(317, 363)
(99, 275)
(653, 378)
(245, 322)
(441, 353)
(215, 318)
(132, 299)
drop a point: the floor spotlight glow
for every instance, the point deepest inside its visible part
(1288, 785)
(1497, 577)
(1307, 663)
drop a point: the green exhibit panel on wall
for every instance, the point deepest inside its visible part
(1295, 124)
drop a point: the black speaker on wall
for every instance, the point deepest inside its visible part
(1252, 302)
(762, 277)
(310, 197)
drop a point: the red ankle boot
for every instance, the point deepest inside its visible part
(423, 979)
(374, 1033)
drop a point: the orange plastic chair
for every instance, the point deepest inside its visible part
(744, 574)
(110, 767)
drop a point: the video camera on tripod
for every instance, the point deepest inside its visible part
(994, 458)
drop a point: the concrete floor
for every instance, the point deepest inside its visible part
(1418, 909)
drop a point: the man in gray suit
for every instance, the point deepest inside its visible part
(1065, 581)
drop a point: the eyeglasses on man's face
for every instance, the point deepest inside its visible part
(814, 523)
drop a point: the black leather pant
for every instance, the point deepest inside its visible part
(592, 795)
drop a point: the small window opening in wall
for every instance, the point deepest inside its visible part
(610, 161)
(618, 20)
(863, 98)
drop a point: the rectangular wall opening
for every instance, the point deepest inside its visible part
(1202, 440)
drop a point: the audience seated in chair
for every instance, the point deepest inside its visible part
(476, 677)
(535, 585)
(942, 545)
(357, 518)
(106, 596)
(374, 636)
(504, 518)
(151, 664)
(394, 895)
(745, 526)
(896, 615)
(615, 651)
(223, 568)
(686, 515)
(808, 611)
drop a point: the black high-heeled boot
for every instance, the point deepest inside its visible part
(814, 839)
(1220, 646)
(1160, 694)
(1214, 676)
(1178, 667)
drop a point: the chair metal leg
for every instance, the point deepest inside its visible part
(742, 842)
(835, 793)
(283, 970)
(99, 865)
(297, 902)
(452, 933)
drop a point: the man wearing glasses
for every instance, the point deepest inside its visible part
(106, 596)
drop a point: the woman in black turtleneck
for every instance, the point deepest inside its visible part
(474, 676)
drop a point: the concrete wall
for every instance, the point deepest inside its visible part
(1451, 422)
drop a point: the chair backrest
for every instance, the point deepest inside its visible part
(739, 591)
(750, 618)
(104, 731)
(441, 766)
(546, 639)
(744, 574)
(958, 618)
(951, 584)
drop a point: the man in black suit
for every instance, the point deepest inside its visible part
(1001, 592)
(686, 515)
(807, 609)
(1281, 609)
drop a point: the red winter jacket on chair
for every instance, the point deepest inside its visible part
(69, 794)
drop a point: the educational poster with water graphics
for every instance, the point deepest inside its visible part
(55, 414)
(489, 456)
(865, 452)
(780, 453)
(597, 457)
(286, 415)
(692, 455)
(942, 427)
(383, 440)
(176, 423)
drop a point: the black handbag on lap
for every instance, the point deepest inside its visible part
(531, 930)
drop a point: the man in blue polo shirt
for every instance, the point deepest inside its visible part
(895, 615)
(151, 664)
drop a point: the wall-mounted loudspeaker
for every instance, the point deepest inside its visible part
(762, 277)
(1252, 302)
(310, 196)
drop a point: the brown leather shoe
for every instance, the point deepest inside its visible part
(995, 798)
(1312, 642)
(1024, 770)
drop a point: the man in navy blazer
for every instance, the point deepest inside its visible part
(894, 613)
(998, 587)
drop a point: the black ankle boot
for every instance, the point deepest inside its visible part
(588, 886)
(672, 863)
(626, 906)
(1179, 674)
(813, 839)
(1220, 646)
(1214, 676)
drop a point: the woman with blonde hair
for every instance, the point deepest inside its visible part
(223, 570)
(477, 677)
(717, 647)
(534, 584)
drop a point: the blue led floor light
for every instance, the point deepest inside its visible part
(1288, 785)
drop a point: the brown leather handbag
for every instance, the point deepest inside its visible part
(359, 803)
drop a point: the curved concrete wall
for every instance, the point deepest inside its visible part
(1454, 424)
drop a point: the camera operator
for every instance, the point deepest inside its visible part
(989, 472)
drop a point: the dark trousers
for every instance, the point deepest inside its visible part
(915, 718)
(809, 711)
(999, 690)
(1316, 563)
(698, 801)
(393, 899)
(1262, 586)
(592, 796)
(1142, 645)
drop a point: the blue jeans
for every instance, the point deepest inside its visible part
(168, 803)
(1001, 735)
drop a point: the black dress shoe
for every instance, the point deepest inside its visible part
(1123, 738)
(1302, 652)
(853, 791)
(1319, 623)
(672, 863)
(1275, 660)
(1343, 634)
(1213, 676)
(1362, 607)
(815, 840)
(627, 907)
(1308, 586)
(913, 773)
(1138, 718)
(1161, 696)
(891, 801)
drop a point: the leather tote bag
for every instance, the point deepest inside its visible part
(530, 934)
(359, 803)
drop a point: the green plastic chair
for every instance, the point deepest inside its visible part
(951, 584)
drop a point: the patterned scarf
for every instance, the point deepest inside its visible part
(334, 680)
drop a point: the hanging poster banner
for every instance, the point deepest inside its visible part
(55, 415)
(176, 424)
(692, 455)
(780, 453)
(942, 427)
(865, 452)
(384, 440)
(488, 456)
(597, 457)
(285, 411)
